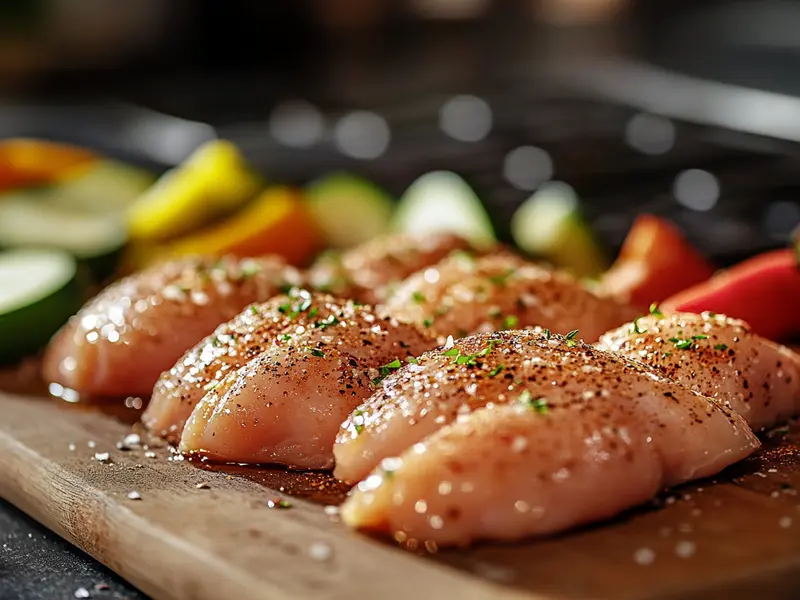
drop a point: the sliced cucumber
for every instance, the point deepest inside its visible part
(443, 201)
(96, 240)
(348, 209)
(108, 187)
(551, 225)
(39, 291)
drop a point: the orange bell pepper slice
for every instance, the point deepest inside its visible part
(274, 223)
(656, 261)
(30, 162)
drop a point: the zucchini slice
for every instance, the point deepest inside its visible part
(348, 209)
(39, 292)
(107, 187)
(94, 239)
(550, 225)
(442, 201)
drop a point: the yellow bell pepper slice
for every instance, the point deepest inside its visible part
(277, 222)
(214, 181)
(30, 162)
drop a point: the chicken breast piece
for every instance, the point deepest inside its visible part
(286, 406)
(561, 456)
(232, 345)
(718, 357)
(365, 272)
(122, 340)
(464, 294)
(524, 366)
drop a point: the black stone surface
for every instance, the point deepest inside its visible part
(36, 564)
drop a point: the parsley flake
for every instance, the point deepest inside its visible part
(721, 347)
(655, 311)
(412, 360)
(636, 328)
(510, 322)
(539, 404)
(452, 352)
(570, 340)
(501, 279)
(418, 297)
(329, 321)
(317, 352)
(427, 322)
(285, 337)
(254, 310)
(496, 371)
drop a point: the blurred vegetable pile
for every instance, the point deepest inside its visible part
(114, 218)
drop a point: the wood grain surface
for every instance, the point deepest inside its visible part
(200, 533)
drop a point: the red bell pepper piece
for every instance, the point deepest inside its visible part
(763, 290)
(655, 262)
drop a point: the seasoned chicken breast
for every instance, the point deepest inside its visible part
(718, 357)
(368, 271)
(509, 367)
(286, 405)
(464, 294)
(232, 345)
(561, 436)
(122, 340)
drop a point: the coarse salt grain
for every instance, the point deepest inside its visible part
(134, 495)
(320, 551)
(103, 457)
(331, 510)
(82, 593)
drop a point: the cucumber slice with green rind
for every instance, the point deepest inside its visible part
(442, 201)
(348, 209)
(107, 187)
(550, 225)
(39, 292)
(94, 239)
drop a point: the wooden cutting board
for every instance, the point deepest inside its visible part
(209, 534)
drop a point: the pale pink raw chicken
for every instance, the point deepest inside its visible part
(121, 341)
(718, 357)
(566, 436)
(232, 345)
(465, 294)
(286, 405)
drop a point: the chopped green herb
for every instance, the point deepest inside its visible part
(386, 369)
(313, 312)
(285, 337)
(636, 328)
(721, 347)
(329, 321)
(210, 386)
(496, 371)
(215, 342)
(427, 322)
(501, 279)
(684, 344)
(547, 334)
(451, 352)
(395, 364)
(283, 504)
(655, 311)
(510, 322)
(317, 352)
(700, 336)
(442, 310)
(418, 297)
(412, 360)
(570, 340)
(468, 359)
(254, 310)
(538, 404)
(667, 353)
(712, 314)
(359, 427)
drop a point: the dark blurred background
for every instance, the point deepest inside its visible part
(687, 109)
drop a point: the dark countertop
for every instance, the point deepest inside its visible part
(36, 564)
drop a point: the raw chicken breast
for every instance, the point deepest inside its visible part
(367, 271)
(233, 345)
(585, 439)
(508, 367)
(121, 341)
(286, 405)
(463, 294)
(718, 357)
